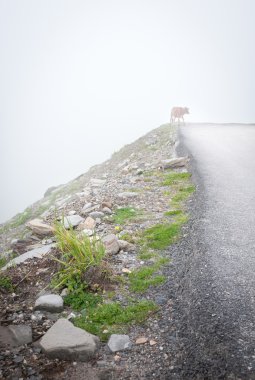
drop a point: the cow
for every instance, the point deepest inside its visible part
(177, 113)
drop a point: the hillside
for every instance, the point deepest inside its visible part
(100, 243)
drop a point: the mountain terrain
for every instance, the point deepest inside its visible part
(84, 270)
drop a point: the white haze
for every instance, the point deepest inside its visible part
(81, 78)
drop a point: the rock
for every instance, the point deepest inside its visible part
(152, 342)
(107, 210)
(15, 335)
(141, 340)
(64, 292)
(127, 194)
(89, 223)
(126, 270)
(72, 221)
(50, 302)
(66, 342)
(111, 244)
(87, 232)
(37, 252)
(107, 204)
(96, 214)
(88, 208)
(119, 342)
(126, 246)
(40, 228)
(72, 212)
(21, 245)
(174, 163)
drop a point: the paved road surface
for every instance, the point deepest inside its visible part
(217, 293)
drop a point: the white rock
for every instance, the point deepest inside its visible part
(119, 342)
(50, 302)
(66, 342)
(72, 220)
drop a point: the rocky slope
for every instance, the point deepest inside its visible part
(143, 186)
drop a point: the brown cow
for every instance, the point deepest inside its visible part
(177, 113)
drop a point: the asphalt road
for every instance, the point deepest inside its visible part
(216, 293)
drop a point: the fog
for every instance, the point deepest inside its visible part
(79, 79)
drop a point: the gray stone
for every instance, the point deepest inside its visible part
(37, 252)
(127, 194)
(111, 244)
(72, 221)
(126, 246)
(50, 302)
(66, 342)
(119, 342)
(15, 335)
(72, 212)
(96, 214)
(40, 228)
(174, 163)
(107, 210)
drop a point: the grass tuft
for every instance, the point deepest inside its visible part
(174, 178)
(6, 283)
(113, 317)
(123, 215)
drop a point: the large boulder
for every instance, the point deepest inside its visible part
(40, 228)
(66, 342)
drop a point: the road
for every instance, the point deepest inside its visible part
(217, 272)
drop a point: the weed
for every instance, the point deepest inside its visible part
(128, 237)
(113, 317)
(6, 283)
(78, 255)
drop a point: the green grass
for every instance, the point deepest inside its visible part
(162, 235)
(146, 255)
(124, 214)
(174, 178)
(128, 237)
(6, 283)
(173, 212)
(141, 279)
(183, 194)
(3, 262)
(113, 317)
(81, 299)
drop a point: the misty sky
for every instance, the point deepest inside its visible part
(81, 78)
